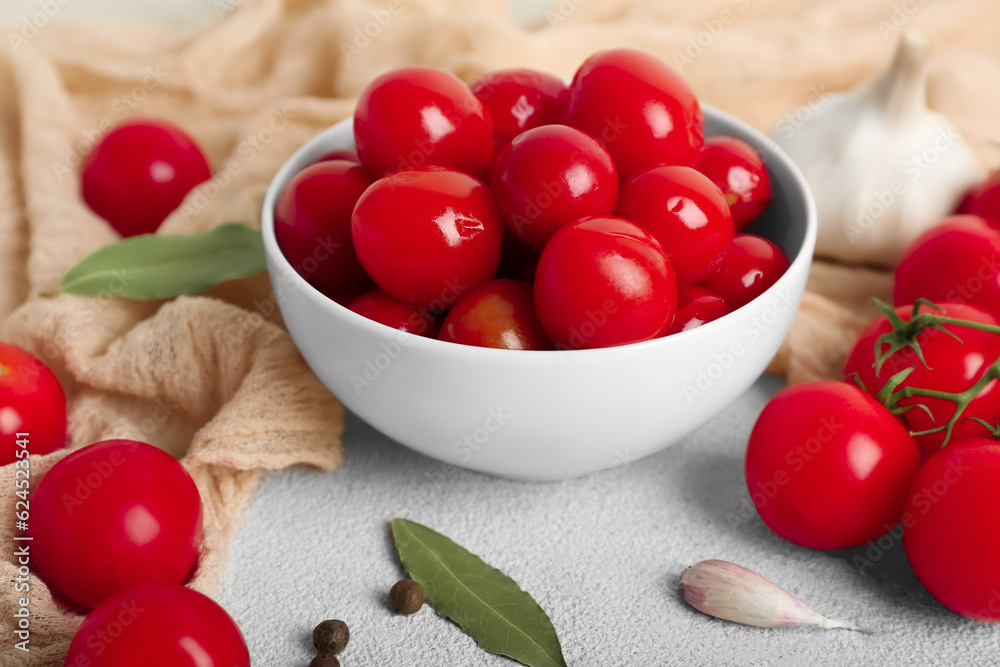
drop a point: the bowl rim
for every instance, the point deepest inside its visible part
(315, 146)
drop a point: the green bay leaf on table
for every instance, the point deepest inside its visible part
(487, 604)
(151, 266)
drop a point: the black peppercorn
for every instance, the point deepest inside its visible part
(328, 660)
(330, 638)
(407, 596)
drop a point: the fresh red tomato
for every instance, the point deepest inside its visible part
(127, 512)
(828, 466)
(498, 313)
(984, 200)
(639, 108)
(951, 366)
(604, 281)
(158, 626)
(950, 527)
(957, 261)
(427, 235)
(139, 173)
(549, 176)
(752, 264)
(32, 402)
(738, 170)
(520, 99)
(312, 222)
(696, 306)
(686, 213)
(416, 116)
(390, 311)
(348, 154)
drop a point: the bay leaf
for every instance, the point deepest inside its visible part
(150, 266)
(487, 604)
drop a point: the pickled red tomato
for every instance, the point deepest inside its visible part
(549, 176)
(739, 171)
(643, 112)
(520, 99)
(417, 116)
(386, 309)
(427, 235)
(686, 213)
(604, 281)
(31, 401)
(139, 173)
(752, 265)
(158, 626)
(312, 222)
(129, 514)
(499, 314)
(696, 306)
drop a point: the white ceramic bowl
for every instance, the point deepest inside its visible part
(546, 415)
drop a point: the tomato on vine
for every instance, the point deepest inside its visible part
(948, 358)
(828, 466)
(949, 527)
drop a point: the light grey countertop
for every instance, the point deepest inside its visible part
(601, 554)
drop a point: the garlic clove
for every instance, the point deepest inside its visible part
(733, 593)
(881, 165)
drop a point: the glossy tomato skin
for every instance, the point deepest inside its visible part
(752, 265)
(949, 527)
(386, 309)
(696, 306)
(643, 112)
(140, 172)
(416, 116)
(549, 176)
(955, 261)
(312, 222)
(499, 314)
(828, 466)
(128, 512)
(604, 281)
(31, 401)
(952, 366)
(738, 170)
(427, 235)
(686, 213)
(984, 200)
(158, 626)
(520, 99)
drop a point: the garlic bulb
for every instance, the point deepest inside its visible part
(733, 593)
(881, 165)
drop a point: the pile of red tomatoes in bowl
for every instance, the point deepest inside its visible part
(524, 213)
(907, 445)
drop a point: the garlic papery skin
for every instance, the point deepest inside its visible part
(733, 593)
(881, 165)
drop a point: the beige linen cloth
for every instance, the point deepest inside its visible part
(214, 379)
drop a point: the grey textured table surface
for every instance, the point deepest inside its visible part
(602, 555)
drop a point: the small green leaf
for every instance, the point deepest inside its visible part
(487, 604)
(155, 267)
